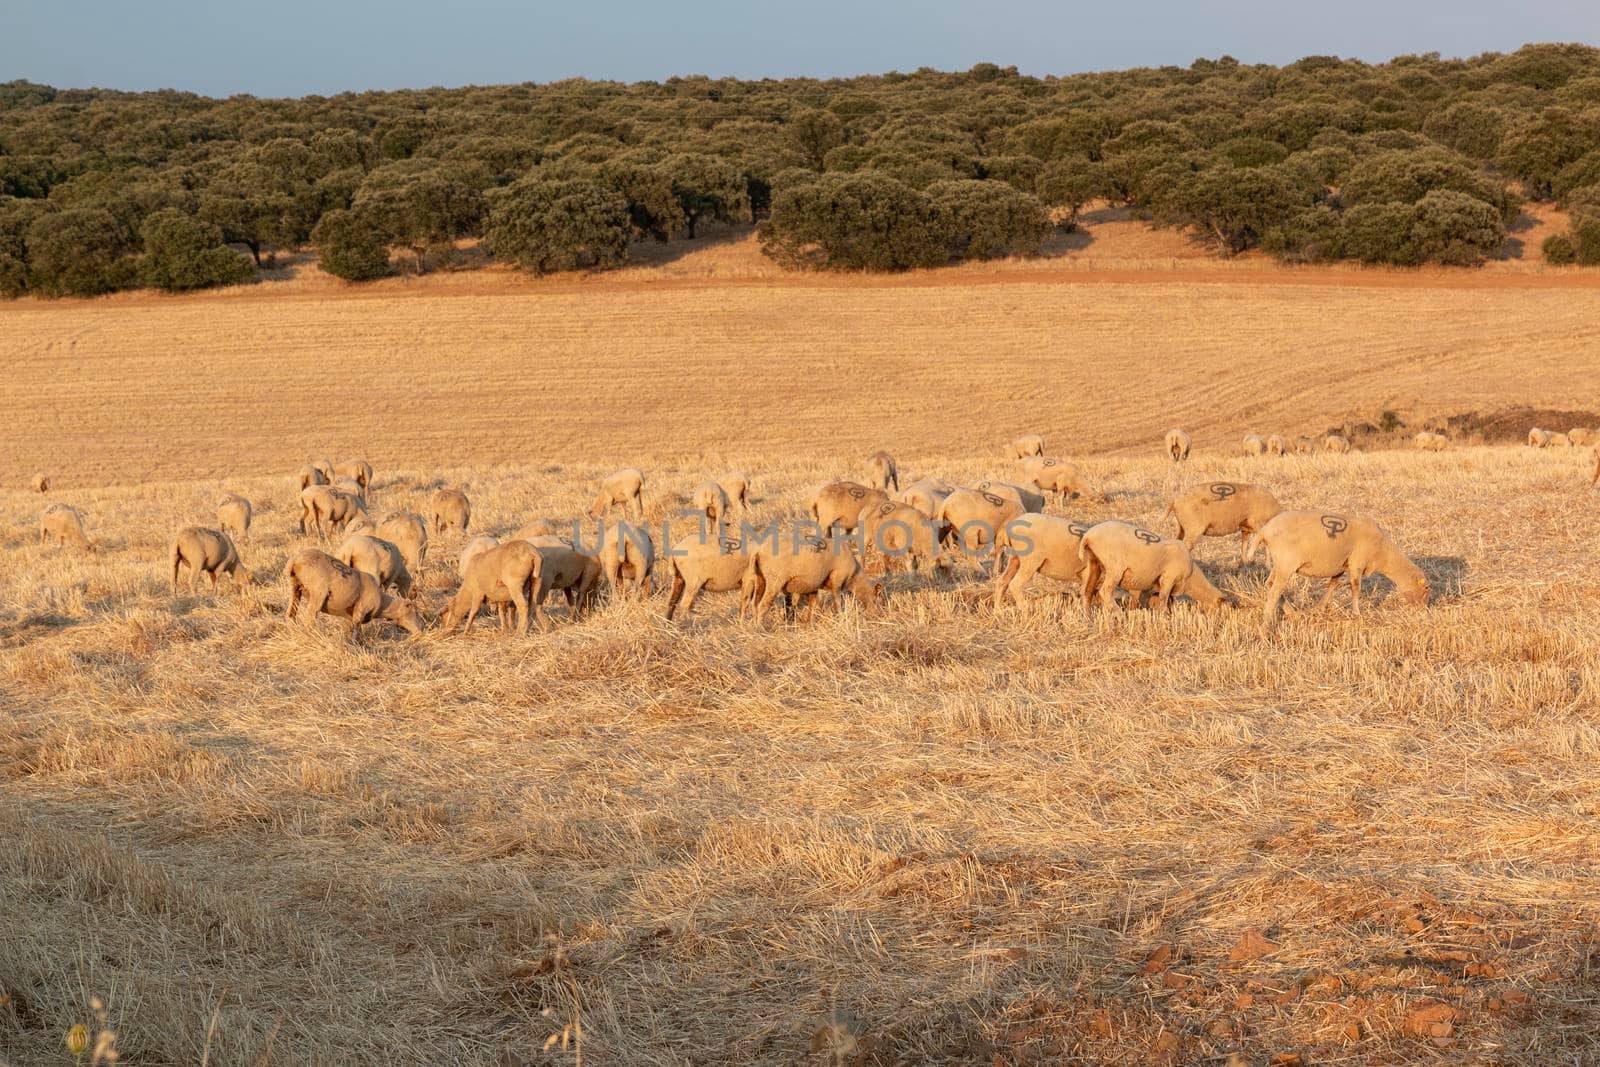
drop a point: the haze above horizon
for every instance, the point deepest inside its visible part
(298, 48)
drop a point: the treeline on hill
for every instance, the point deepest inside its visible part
(1406, 162)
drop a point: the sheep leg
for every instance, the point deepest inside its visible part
(1244, 539)
(1327, 596)
(1355, 591)
(1004, 581)
(1277, 582)
(678, 586)
(520, 599)
(473, 607)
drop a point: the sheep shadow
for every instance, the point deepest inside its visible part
(1445, 574)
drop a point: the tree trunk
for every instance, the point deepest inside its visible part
(255, 251)
(693, 218)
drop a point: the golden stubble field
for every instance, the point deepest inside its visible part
(999, 838)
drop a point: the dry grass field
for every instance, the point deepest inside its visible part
(1011, 837)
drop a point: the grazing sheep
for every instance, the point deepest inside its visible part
(563, 567)
(1428, 441)
(843, 503)
(737, 486)
(357, 470)
(1255, 444)
(1336, 444)
(627, 553)
(505, 575)
(1276, 445)
(329, 587)
(406, 531)
(534, 528)
(64, 523)
(1317, 544)
(233, 516)
(710, 500)
(1059, 477)
(901, 531)
(882, 473)
(310, 476)
(926, 494)
(973, 518)
(41, 483)
(1304, 446)
(1038, 544)
(1582, 436)
(324, 468)
(1027, 445)
(206, 551)
(626, 487)
(1178, 444)
(324, 503)
(1538, 438)
(475, 548)
(798, 567)
(1559, 440)
(451, 511)
(379, 558)
(1223, 508)
(351, 486)
(361, 523)
(712, 565)
(1120, 555)
(1029, 500)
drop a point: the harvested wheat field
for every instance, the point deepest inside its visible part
(958, 834)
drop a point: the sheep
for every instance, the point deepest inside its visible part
(233, 516)
(357, 470)
(843, 503)
(1255, 444)
(407, 532)
(1336, 444)
(41, 483)
(1059, 477)
(534, 528)
(505, 575)
(737, 486)
(1428, 441)
(1304, 446)
(325, 468)
(565, 568)
(1318, 544)
(206, 551)
(475, 548)
(319, 503)
(1178, 444)
(798, 567)
(351, 486)
(881, 472)
(331, 588)
(1582, 436)
(973, 518)
(1027, 445)
(451, 511)
(64, 523)
(626, 487)
(361, 523)
(379, 558)
(310, 476)
(1038, 544)
(925, 495)
(901, 531)
(710, 500)
(1029, 500)
(711, 565)
(1538, 438)
(1121, 555)
(1276, 445)
(1559, 440)
(627, 553)
(1220, 509)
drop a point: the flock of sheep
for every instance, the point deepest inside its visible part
(374, 573)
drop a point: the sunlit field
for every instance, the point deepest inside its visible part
(966, 835)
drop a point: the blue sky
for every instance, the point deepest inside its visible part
(295, 47)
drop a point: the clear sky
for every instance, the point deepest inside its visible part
(295, 47)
